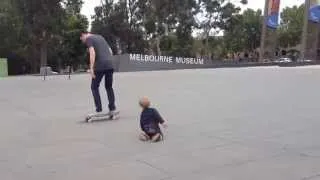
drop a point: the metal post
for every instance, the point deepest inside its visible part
(317, 45)
(69, 76)
(45, 73)
(305, 33)
(264, 31)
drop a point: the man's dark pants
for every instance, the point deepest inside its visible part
(95, 84)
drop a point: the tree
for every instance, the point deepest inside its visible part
(41, 19)
(11, 28)
(144, 25)
(119, 24)
(184, 12)
(291, 26)
(243, 31)
(70, 49)
(73, 7)
(51, 31)
(157, 19)
(169, 44)
(159, 26)
(215, 15)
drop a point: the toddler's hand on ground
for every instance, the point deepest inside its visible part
(165, 125)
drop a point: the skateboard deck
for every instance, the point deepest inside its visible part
(102, 117)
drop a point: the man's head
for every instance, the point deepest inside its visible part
(84, 36)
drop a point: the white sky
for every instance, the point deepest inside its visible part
(259, 4)
(89, 5)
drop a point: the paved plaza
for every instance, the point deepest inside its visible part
(224, 124)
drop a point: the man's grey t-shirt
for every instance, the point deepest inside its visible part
(103, 51)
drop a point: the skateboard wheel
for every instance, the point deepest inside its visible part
(115, 117)
(88, 119)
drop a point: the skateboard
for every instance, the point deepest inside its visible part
(102, 117)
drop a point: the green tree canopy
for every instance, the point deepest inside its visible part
(243, 32)
(291, 26)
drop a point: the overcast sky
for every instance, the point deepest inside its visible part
(88, 7)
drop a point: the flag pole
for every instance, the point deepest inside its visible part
(264, 31)
(305, 30)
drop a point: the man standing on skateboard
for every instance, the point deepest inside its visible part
(101, 65)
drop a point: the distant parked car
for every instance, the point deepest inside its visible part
(305, 60)
(266, 60)
(283, 60)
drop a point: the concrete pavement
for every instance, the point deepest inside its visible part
(224, 124)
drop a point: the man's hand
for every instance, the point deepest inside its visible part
(93, 76)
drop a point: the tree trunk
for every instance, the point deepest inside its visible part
(33, 58)
(207, 33)
(207, 46)
(158, 38)
(158, 46)
(157, 35)
(43, 53)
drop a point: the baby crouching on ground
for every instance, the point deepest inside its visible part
(150, 121)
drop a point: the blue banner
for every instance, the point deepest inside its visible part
(273, 14)
(314, 11)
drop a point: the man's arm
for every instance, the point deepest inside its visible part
(92, 54)
(110, 50)
(92, 58)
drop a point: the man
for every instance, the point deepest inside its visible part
(100, 66)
